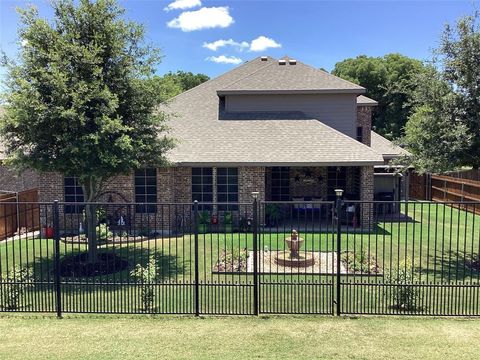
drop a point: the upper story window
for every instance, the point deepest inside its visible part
(360, 133)
(73, 193)
(146, 190)
(202, 186)
(227, 188)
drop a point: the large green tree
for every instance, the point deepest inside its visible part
(444, 131)
(388, 80)
(77, 101)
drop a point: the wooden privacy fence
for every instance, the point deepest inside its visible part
(447, 188)
(19, 213)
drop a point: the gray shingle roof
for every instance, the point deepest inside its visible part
(385, 147)
(362, 100)
(298, 78)
(288, 138)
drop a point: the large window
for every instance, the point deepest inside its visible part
(202, 186)
(146, 190)
(73, 193)
(280, 183)
(227, 188)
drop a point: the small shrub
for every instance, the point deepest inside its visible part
(232, 261)
(360, 262)
(13, 286)
(103, 233)
(405, 295)
(147, 275)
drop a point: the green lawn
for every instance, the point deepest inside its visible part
(90, 337)
(434, 245)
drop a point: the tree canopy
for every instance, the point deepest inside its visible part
(172, 84)
(77, 101)
(444, 131)
(388, 80)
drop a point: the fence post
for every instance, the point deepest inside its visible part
(338, 193)
(56, 237)
(197, 276)
(256, 309)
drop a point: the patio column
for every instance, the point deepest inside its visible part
(366, 194)
(250, 179)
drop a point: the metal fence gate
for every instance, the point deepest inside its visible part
(301, 257)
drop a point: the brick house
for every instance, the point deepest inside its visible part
(279, 127)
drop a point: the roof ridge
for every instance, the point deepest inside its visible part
(218, 77)
(253, 72)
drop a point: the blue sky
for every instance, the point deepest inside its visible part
(316, 32)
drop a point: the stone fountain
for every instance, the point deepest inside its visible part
(293, 258)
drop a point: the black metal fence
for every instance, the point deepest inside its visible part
(343, 257)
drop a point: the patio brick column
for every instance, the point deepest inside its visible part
(250, 179)
(366, 194)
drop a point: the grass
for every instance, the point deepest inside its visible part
(82, 337)
(435, 242)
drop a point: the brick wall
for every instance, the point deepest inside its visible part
(364, 119)
(366, 194)
(11, 180)
(308, 189)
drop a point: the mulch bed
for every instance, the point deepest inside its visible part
(79, 266)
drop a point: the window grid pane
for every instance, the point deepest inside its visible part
(280, 184)
(227, 188)
(202, 186)
(73, 193)
(146, 190)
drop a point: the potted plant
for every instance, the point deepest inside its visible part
(228, 221)
(203, 221)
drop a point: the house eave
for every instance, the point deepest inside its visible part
(280, 163)
(291, 92)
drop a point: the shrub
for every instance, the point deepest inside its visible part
(147, 275)
(232, 261)
(360, 262)
(13, 286)
(103, 233)
(404, 293)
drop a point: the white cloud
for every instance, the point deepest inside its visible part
(182, 5)
(222, 59)
(205, 18)
(214, 46)
(262, 43)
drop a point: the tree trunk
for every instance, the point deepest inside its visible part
(90, 190)
(91, 232)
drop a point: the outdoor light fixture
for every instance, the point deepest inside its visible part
(339, 192)
(255, 194)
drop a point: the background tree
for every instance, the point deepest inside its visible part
(446, 120)
(172, 84)
(77, 101)
(388, 80)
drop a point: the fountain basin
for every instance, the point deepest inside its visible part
(300, 261)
